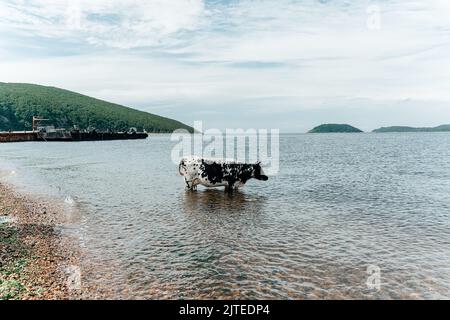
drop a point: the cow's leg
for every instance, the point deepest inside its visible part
(195, 183)
(189, 185)
(238, 185)
(229, 188)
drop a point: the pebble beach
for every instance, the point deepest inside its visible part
(34, 256)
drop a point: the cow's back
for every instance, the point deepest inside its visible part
(214, 172)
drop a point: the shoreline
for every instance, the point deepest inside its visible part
(35, 257)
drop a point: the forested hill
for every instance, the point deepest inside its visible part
(334, 128)
(442, 128)
(20, 102)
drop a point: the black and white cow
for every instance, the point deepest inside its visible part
(218, 173)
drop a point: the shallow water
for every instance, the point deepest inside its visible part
(340, 203)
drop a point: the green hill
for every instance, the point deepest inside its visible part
(334, 128)
(20, 102)
(442, 128)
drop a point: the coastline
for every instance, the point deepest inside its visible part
(34, 255)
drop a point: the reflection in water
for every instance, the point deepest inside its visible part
(216, 201)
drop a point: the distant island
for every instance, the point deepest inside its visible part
(442, 128)
(65, 109)
(334, 128)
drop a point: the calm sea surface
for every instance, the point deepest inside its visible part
(341, 203)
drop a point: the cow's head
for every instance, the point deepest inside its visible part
(259, 172)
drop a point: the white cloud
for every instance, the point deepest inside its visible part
(115, 23)
(290, 56)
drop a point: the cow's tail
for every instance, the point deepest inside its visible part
(179, 167)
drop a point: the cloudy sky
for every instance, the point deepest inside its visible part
(244, 63)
